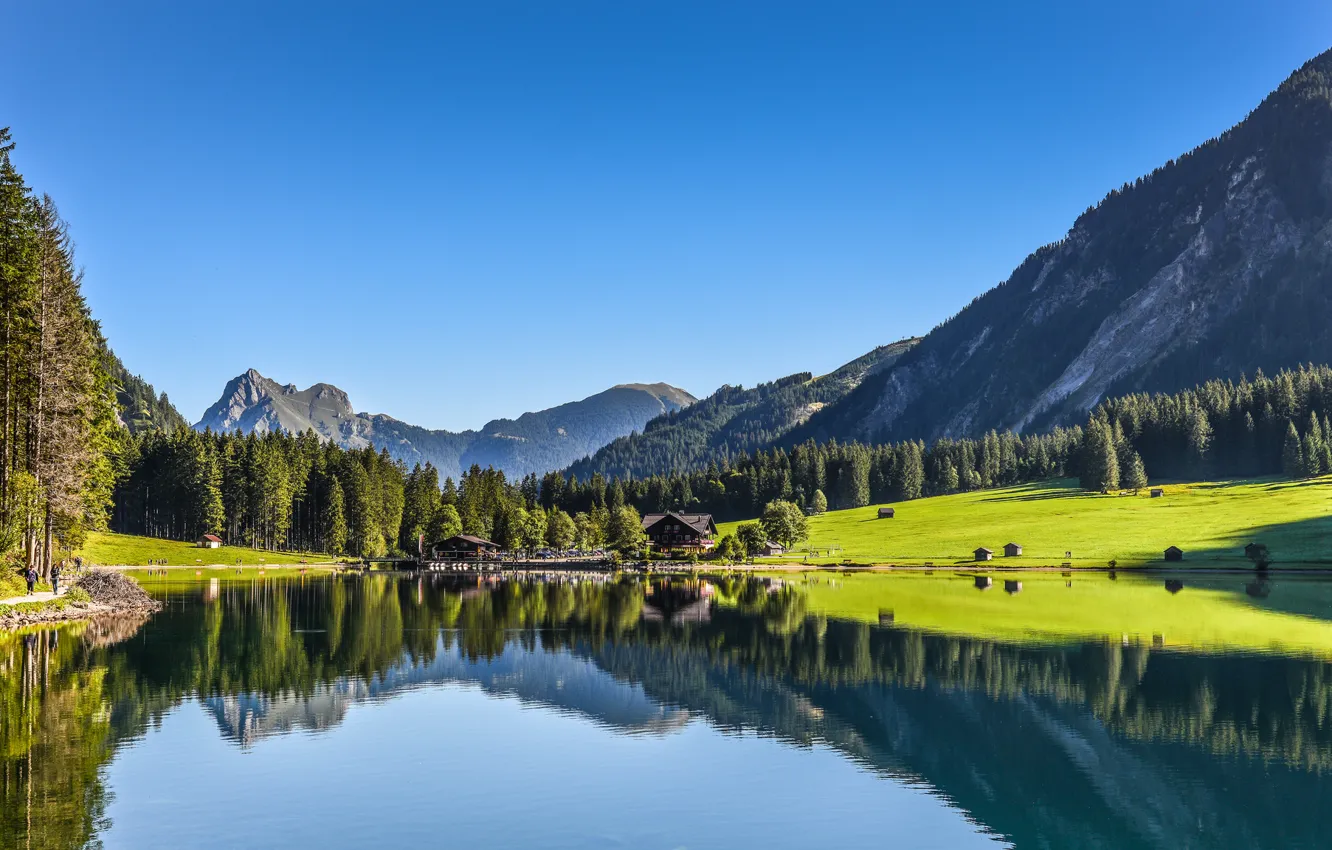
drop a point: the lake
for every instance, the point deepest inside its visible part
(822, 710)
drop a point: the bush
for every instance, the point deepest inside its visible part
(77, 594)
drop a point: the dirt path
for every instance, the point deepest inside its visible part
(44, 596)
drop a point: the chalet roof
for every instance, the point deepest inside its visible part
(1019, 545)
(702, 523)
(468, 538)
(988, 551)
(211, 538)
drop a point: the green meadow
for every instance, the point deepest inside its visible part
(1210, 521)
(130, 551)
(1213, 612)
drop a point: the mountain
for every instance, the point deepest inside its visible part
(534, 442)
(141, 408)
(1216, 264)
(733, 420)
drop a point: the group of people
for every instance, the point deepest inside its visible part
(57, 570)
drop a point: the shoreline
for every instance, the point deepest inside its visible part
(58, 611)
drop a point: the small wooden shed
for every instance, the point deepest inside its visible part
(887, 513)
(210, 541)
(769, 548)
(1174, 553)
(1157, 492)
(983, 554)
(1012, 550)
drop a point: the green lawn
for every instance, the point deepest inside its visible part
(128, 550)
(1210, 521)
(1212, 612)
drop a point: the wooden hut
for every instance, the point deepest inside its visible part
(983, 554)
(1157, 492)
(209, 541)
(887, 513)
(984, 582)
(1174, 553)
(1012, 550)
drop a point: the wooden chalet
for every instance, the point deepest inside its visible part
(674, 531)
(463, 547)
(983, 554)
(887, 513)
(770, 548)
(1012, 550)
(209, 541)
(1157, 492)
(1174, 553)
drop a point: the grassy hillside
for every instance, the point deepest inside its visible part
(1211, 522)
(129, 550)
(1212, 612)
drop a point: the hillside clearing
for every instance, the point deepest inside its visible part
(1210, 521)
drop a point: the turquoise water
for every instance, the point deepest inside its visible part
(343, 712)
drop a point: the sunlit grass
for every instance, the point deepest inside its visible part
(129, 550)
(1211, 522)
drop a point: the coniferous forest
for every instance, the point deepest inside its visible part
(284, 491)
(58, 425)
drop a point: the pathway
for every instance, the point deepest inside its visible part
(44, 596)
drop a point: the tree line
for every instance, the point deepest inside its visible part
(58, 420)
(296, 492)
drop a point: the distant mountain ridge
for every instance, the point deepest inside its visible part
(1216, 264)
(533, 443)
(733, 420)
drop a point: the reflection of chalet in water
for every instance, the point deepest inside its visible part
(463, 547)
(673, 531)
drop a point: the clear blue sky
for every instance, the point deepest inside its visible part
(457, 211)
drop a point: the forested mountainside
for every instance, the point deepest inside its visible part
(141, 407)
(533, 443)
(1217, 264)
(732, 420)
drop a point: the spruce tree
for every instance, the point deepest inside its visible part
(1292, 456)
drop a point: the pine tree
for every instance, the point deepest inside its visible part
(1292, 456)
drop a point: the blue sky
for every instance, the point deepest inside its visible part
(458, 211)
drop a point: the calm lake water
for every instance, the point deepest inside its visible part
(829, 712)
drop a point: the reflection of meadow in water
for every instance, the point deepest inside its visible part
(1123, 742)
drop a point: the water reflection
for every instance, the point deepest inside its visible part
(1102, 743)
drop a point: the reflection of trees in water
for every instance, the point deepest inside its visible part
(758, 661)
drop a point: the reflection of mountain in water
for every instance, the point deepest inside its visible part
(1102, 745)
(550, 678)
(1040, 771)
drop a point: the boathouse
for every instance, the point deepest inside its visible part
(209, 541)
(1012, 550)
(673, 531)
(463, 547)
(887, 513)
(983, 554)
(1174, 553)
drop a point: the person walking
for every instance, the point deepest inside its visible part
(55, 577)
(32, 579)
